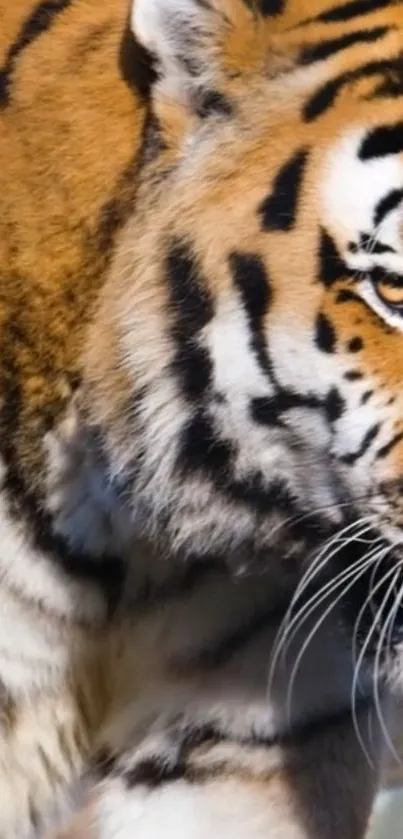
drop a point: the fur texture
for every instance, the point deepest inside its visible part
(201, 429)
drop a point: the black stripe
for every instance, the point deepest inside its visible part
(366, 396)
(370, 245)
(325, 49)
(334, 405)
(370, 436)
(324, 98)
(325, 334)
(176, 764)
(382, 141)
(253, 493)
(107, 571)
(385, 450)
(202, 451)
(253, 283)
(264, 411)
(279, 210)
(350, 10)
(190, 308)
(212, 102)
(154, 771)
(348, 296)
(268, 410)
(387, 205)
(136, 65)
(39, 21)
(331, 266)
(24, 485)
(267, 8)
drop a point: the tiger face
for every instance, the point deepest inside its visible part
(246, 359)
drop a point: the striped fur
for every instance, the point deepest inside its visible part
(201, 302)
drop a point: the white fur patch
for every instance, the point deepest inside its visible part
(224, 808)
(237, 373)
(351, 190)
(160, 25)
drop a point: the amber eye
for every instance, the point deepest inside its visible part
(391, 294)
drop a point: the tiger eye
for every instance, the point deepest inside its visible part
(391, 295)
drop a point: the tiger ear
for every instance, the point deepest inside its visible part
(183, 36)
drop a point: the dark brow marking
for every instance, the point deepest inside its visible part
(39, 21)
(279, 210)
(382, 141)
(387, 205)
(324, 98)
(325, 49)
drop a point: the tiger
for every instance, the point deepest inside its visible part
(201, 431)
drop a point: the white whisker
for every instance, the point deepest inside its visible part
(396, 607)
(380, 645)
(313, 632)
(361, 657)
(314, 569)
(317, 564)
(292, 625)
(323, 593)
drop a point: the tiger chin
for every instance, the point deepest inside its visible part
(201, 416)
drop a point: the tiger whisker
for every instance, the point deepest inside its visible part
(377, 697)
(358, 664)
(398, 603)
(317, 564)
(313, 632)
(325, 591)
(288, 622)
(382, 554)
(311, 514)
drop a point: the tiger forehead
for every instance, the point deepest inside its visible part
(298, 79)
(360, 41)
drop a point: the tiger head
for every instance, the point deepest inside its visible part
(246, 361)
